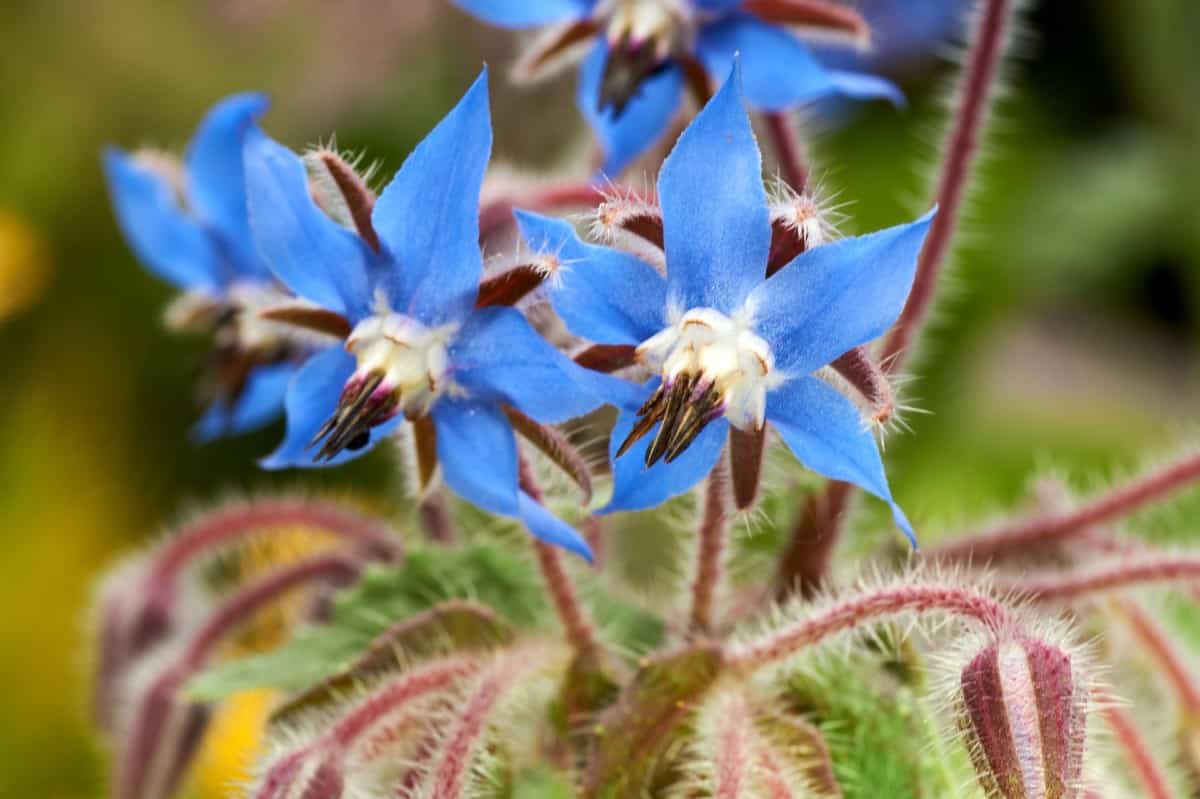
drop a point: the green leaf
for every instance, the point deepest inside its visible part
(495, 577)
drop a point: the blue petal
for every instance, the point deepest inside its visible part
(259, 404)
(526, 13)
(601, 294)
(428, 217)
(167, 241)
(778, 70)
(478, 455)
(717, 5)
(314, 256)
(861, 86)
(498, 356)
(826, 433)
(716, 225)
(640, 124)
(549, 528)
(636, 488)
(836, 296)
(216, 182)
(312, 397)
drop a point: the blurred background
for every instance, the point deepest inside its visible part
(1066, 339)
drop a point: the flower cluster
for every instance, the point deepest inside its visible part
(683, 337)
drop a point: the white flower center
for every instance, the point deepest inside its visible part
(720, 353)
(410, 359)
(402, 366)
(711, 365)
(639, 21)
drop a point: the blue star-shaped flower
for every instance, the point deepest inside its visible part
(646, 52)
(420, 348)
(204, 247)
(730, 346)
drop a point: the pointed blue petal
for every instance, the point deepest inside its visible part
(602, 294)
(260, 403)
(826, 433)
(428, 217)
(216, 183)
(497, 356)
(717, 5)
(551, 529)
(167, 241)
(526, 13)
(861, 86)
(778, 70)
(716, 225)
(837, 296)
(636, 488)
(314, 256)
(312, 397)
(478, 453)
(640, 124)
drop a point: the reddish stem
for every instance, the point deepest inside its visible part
(249, 600)
(787, 151)
(1164, 652)
(160, 721)
(574, 618)
(714, 529)
(975, 94)
(1137, 752)
(1120, 575)
(869, 607)
(498, 213)
(1054, 526)
(815, 532)
(234, 521)
(976, 91)
(453, 766)
(395, 695)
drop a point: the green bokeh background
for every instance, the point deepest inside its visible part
(1066, 339)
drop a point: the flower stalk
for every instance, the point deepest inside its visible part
(1153, 486)
(710, 566)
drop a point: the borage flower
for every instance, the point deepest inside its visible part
(646, 51)
(731, 348)
(418, 346)
(188, 224)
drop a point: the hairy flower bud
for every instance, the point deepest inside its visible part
(1022, 708)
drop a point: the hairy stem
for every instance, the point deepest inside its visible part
(805, 564)
(161, 737)
(1151, 569)
(1160, 648)
(1137, 752)
(1043, 528)
(962, 147)
(868, 608)
(714, 529)
(580, 632)
(498, 213)
(787, 151)
(797, 570)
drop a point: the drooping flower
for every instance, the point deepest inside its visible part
(418, 347)
(731, 347)
(188, 224)
(647, 51)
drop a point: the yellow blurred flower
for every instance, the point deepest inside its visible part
(24, 264)
(231, 745)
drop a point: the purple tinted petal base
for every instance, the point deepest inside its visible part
(312, 397)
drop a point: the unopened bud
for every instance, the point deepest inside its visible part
(1023, 709)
